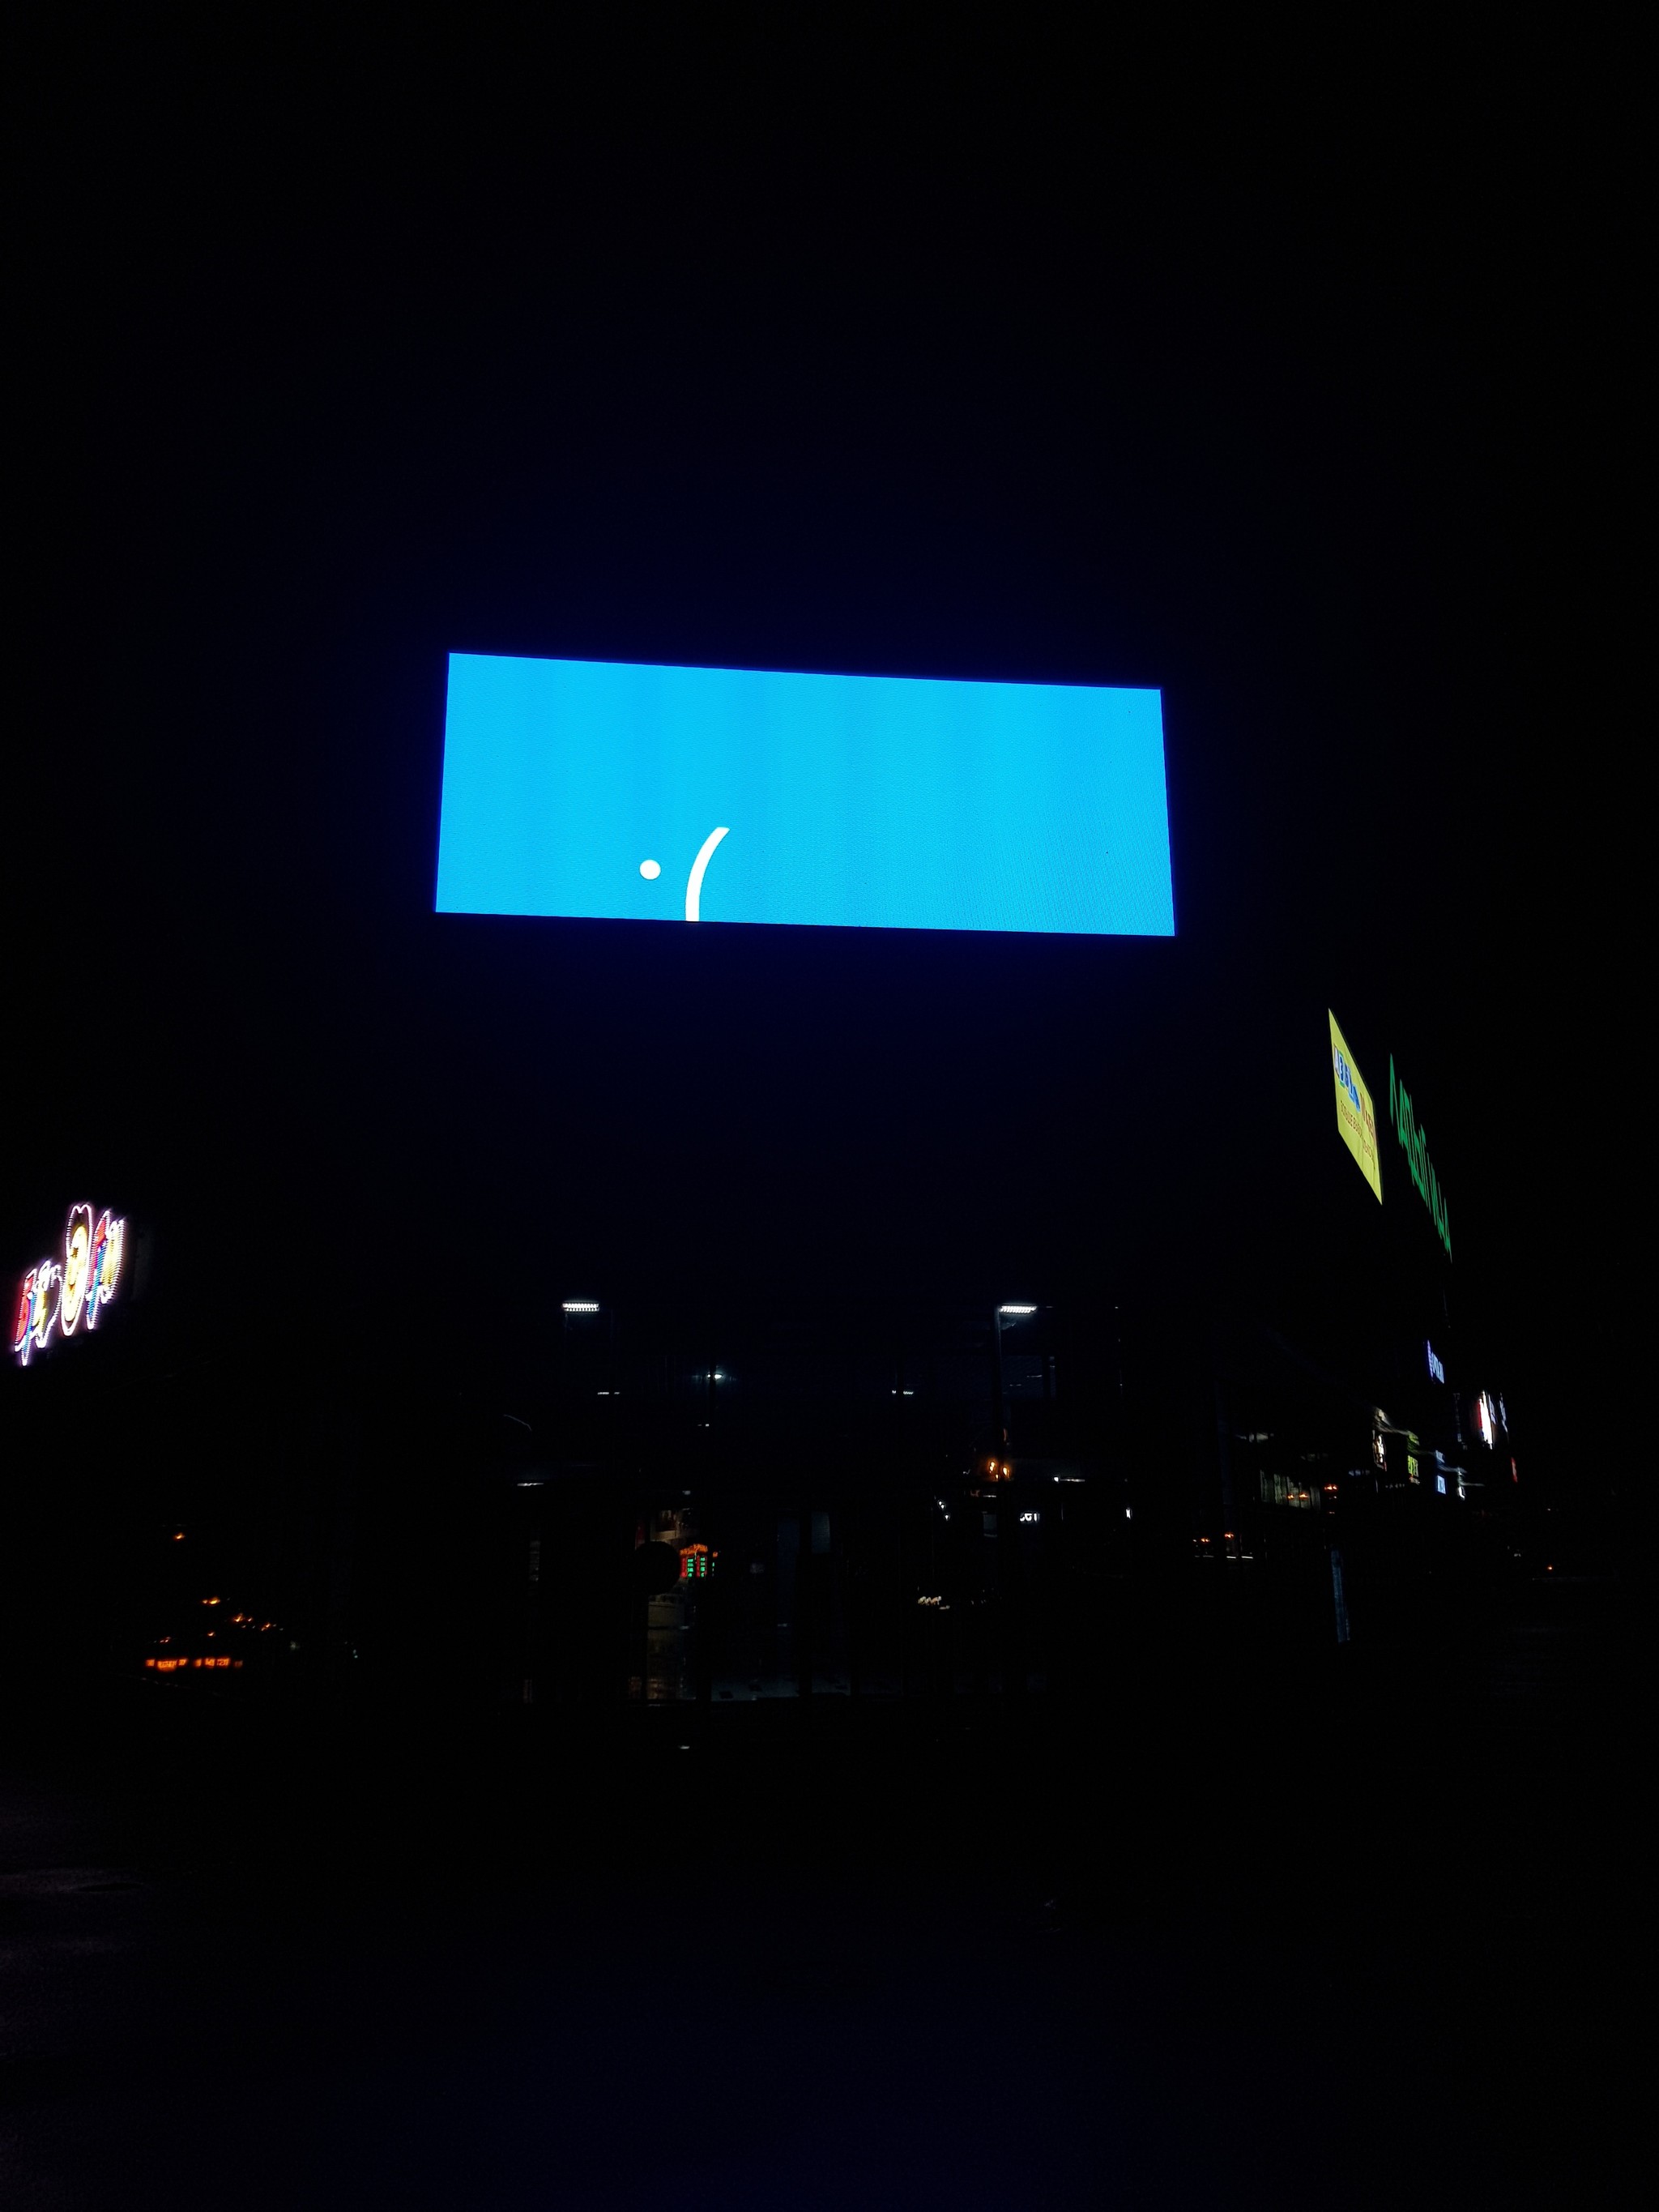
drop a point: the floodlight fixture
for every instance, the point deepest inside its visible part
(582, 1305)
(1017, 1309)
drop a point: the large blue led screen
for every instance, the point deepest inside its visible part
(640, 793)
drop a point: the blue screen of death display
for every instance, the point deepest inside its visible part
(638, 794)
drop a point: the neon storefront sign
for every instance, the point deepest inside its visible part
(68, 1294)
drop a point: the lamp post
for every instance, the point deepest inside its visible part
(999, 1404)
(1008, 1574)
(606, 1625)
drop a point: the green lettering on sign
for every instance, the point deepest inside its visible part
(1414, 1143)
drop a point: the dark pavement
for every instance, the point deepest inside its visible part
(1246, 1938)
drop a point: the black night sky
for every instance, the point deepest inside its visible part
(1296, 382)
(758, 354)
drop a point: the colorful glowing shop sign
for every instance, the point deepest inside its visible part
(67, 1293)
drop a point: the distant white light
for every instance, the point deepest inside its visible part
(651, 870)
(582, 1305)
(1017, 1309)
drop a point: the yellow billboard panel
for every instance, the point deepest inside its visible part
(1354, 1117)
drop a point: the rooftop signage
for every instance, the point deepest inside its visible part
(1354, 1117)
(68, 1294)
(632, 792)
(1414, 1144)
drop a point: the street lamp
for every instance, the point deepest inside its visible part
(586, 1311)
(1010, 1311)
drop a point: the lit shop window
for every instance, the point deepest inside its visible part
(1289, 1490)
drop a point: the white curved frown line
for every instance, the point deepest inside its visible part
(694, 881)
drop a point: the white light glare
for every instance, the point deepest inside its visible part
(1017, 1309)
(582, 1305)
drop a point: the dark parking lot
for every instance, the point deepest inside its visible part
(1368, 1942)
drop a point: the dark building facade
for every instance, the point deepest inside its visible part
(737, 1501)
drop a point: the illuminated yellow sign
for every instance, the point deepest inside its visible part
(1354, 1117)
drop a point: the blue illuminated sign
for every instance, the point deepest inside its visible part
(639, 794)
